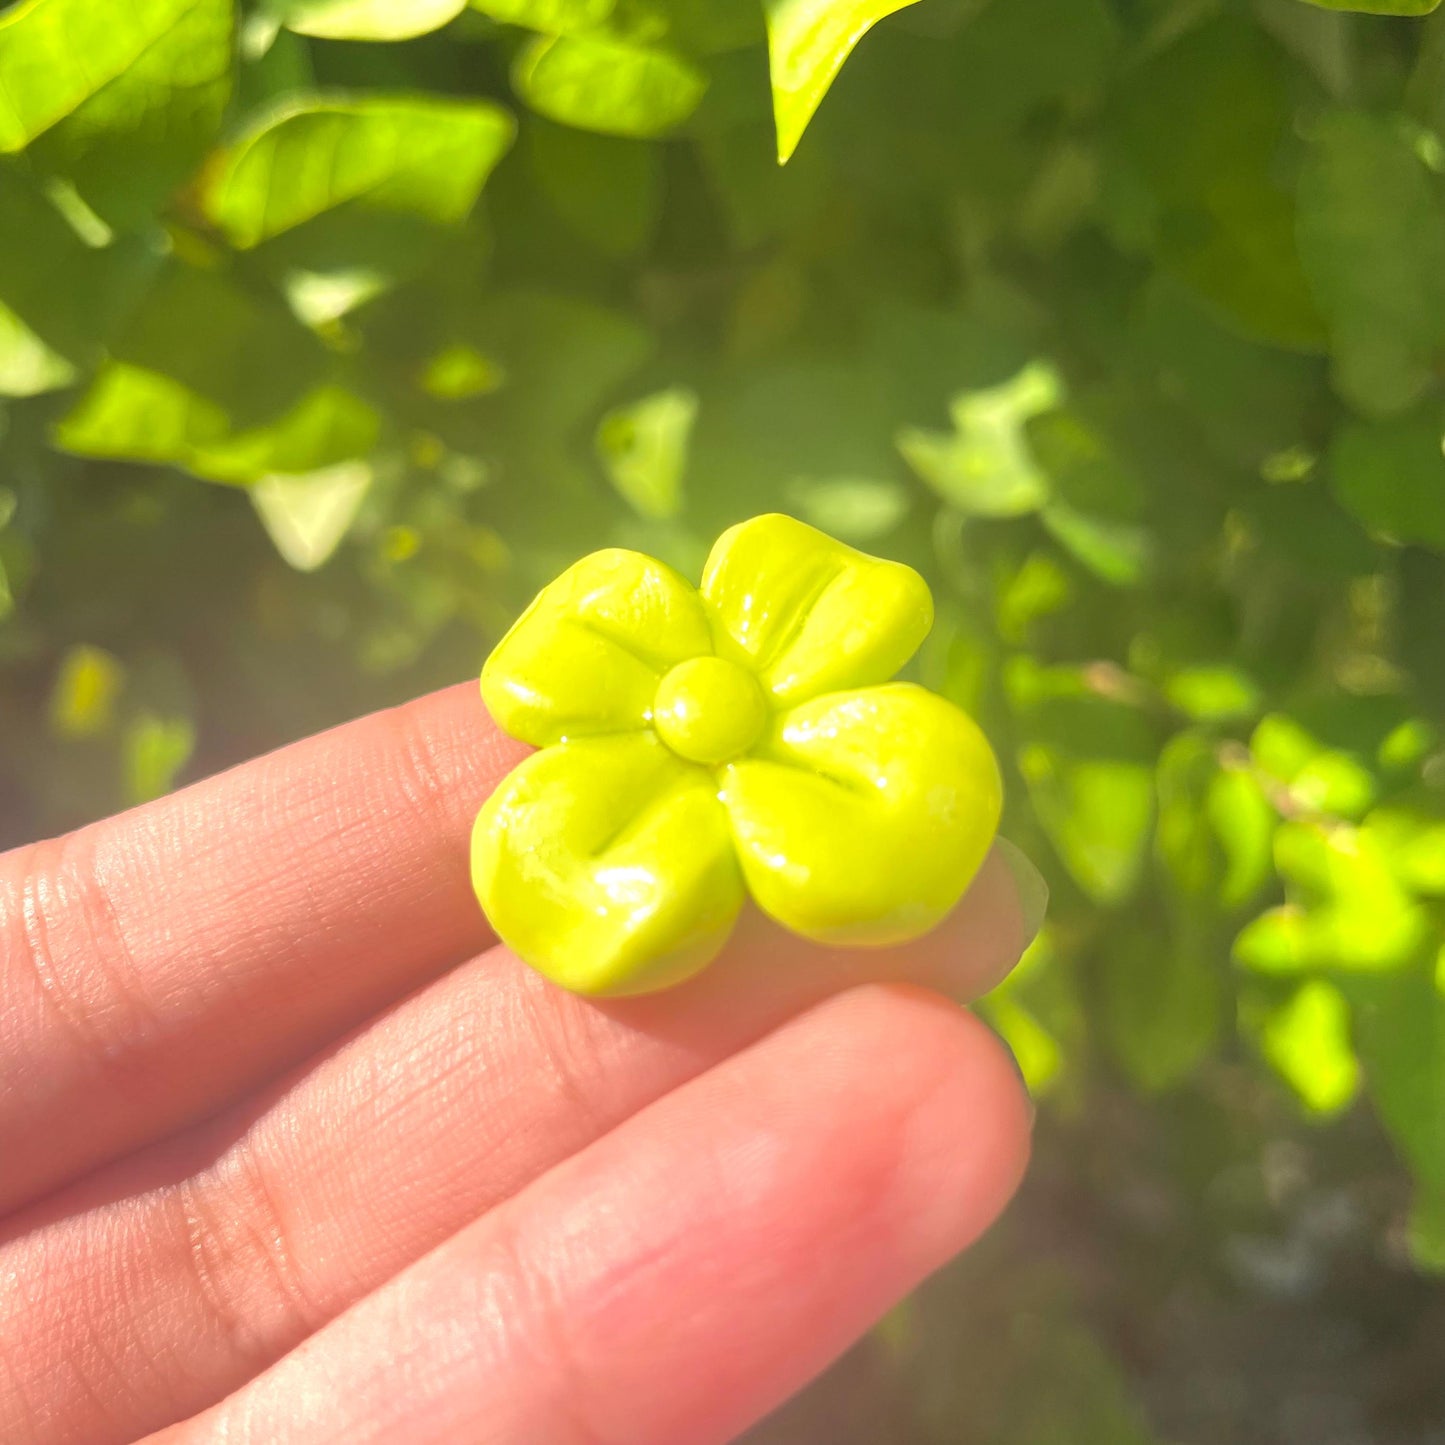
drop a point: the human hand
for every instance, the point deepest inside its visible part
(291, 1152)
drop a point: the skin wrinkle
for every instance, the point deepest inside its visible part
(57, 889)
(205, 959)
(766, 1259)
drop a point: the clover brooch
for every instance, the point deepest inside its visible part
(700, 745)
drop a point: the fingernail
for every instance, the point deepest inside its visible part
(1033, 892)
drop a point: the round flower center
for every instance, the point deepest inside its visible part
(709, 710)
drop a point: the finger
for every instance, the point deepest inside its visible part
(175, 1275)
(154, 964)
(683, 1275)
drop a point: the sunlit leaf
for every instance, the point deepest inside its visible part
(365, 19)
(1379, 7)
(1372, 237)
(1215, 823)
(136, 415)
(1213, 694)
(459, 371)
(1115, 551)
(986, 466)
(1319, 778)
(27, 365)
(307, 514)
(855, 509)
(551, 17)
(643, 448)
(132, 142)
(1308, 1042)
(155, 748)
(56, 54)
(82, 703)
(1347, 909)
(425, 155)
(808, 41)
(611, 86)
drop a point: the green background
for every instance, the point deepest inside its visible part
(1123, 320)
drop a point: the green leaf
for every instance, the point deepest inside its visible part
(606, 188)
(365, 19)
(986, 466)
(306, 515)
(1215, 823)
(1402, 1045)
(56, 54)
(610, 86)
(1347, 909)
(1379, 7)
(69, 293)
(1308, 1042)
(1162, 1000)
(1391, 475)
(136, 415)
(251, 357)
(1213, 693)
(643, 448)
(1204, 176)
(808, 41)
(1319, 779)
(82, 702)
(1087, 761)
(550, 17)
(137, 138)
(155, 748)
(854, 509)
(421, 155)
(1372, 238)
(27, 365)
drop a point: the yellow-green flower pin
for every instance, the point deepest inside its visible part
(699, 745)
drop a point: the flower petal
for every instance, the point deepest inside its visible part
(865, 815)
(587, 655)
(607, 864)
(811, 614)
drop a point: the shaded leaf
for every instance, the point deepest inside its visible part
(1087, 761)
(1162, 999)
(1391, 475)
(1372, 238)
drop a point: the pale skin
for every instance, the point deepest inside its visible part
(292, 1152)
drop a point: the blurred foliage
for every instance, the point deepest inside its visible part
(330, 329)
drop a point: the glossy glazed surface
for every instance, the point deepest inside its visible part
(702, 744)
